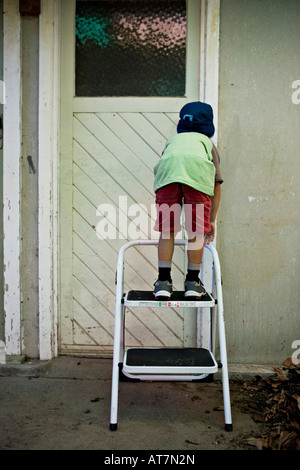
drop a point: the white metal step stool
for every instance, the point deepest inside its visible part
(167, 364)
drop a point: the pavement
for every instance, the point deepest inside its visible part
(64, 404)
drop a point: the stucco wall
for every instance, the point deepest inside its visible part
(29, 201)
(259, 143)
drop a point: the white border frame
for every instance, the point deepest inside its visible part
(12, 138)
(209, 56)
(202, 55)
(208, 93)
(48, 176)
(49, 86)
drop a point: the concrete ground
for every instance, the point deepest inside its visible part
(64, 404)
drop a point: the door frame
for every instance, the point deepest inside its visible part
(48, 176)
(202, 62)
(11, 176)
(51, 214)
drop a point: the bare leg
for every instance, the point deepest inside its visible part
(166, 247)
(195, 249)
(163, 286)
(193, 285)
(195, 257)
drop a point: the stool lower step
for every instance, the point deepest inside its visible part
(164, 361)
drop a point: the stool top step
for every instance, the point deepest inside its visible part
(141, 298)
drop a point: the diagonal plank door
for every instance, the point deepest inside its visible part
(109, 146)
(113, 159)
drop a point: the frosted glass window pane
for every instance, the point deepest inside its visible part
(130, 48)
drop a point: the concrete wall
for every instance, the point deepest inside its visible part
(29, 171)
(259, 143)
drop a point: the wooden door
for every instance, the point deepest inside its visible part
(109, 146)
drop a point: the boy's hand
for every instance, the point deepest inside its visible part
(210, 236)
(215, 201)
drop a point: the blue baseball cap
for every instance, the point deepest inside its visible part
(196, 117)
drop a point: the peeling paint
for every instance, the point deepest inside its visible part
(11, 174)
(2, 352)
(257, 198)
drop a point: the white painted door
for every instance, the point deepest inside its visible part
(109, 146)
(1, 160)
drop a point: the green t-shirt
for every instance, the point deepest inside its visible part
(187, 158)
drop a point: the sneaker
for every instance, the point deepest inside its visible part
(162, 289)
(194, 289)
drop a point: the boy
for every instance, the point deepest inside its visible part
(189, 171)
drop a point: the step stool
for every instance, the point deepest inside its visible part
(167, 364)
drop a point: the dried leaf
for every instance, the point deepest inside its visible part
(290, 364)
(297, 398)
(275, 400)
(251, 441)
(219, 408)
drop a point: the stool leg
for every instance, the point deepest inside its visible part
(118, 342)
(226, 398)
(225, 377)
(222, 340)
(115, 388)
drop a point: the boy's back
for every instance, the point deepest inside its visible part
(187, 159)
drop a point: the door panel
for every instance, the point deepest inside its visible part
(109, 149)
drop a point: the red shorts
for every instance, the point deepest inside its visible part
(197, 208)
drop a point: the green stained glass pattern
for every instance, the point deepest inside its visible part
(130, 48)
